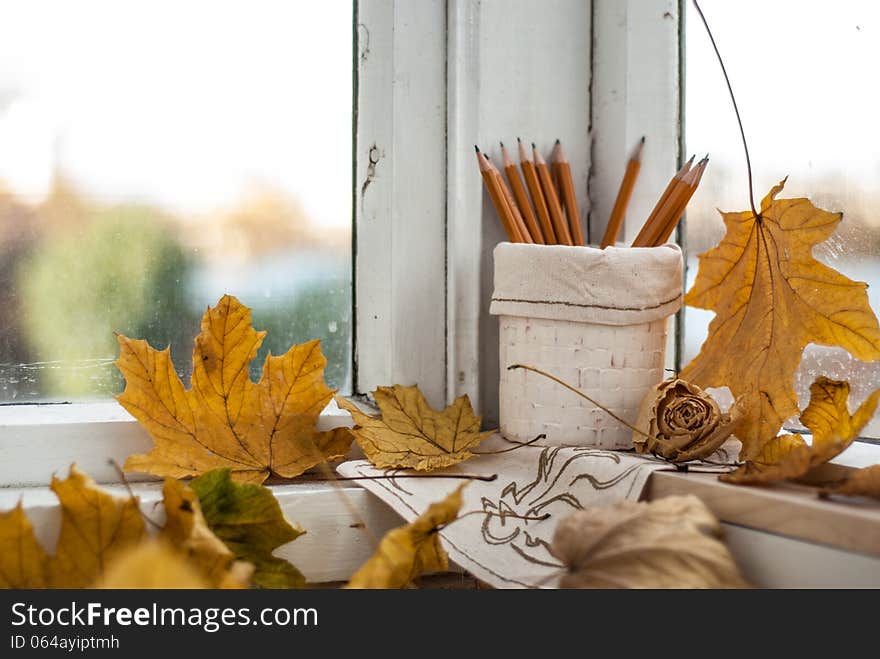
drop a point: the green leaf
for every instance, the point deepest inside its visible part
(248, 519)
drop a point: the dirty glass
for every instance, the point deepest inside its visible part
(156, 155)
(802, 77)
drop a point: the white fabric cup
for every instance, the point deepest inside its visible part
(596, 319)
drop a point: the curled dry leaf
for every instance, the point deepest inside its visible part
(672, 542)
(409, 551)
(187, 531)
(771, 298)
(225, 419)
(411, 434)
(833, 428)
(683, 422)
(861, 482)
(249, 521)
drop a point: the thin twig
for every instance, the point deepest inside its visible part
(467, 477)
(581, 394)
(131, 493)
(512, 448)
(735, 109)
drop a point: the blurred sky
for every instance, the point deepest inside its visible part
(185, 104)
(805, 75)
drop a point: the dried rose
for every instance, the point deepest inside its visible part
(682, 422)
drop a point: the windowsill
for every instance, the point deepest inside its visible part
(37, 441)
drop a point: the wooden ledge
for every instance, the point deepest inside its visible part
(787, 509)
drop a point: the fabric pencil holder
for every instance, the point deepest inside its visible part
(596, 319)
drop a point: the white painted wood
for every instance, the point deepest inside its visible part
(773, 561)
(37, 441)
(516, 68)
(333, 547)
(400, 268)
(635, 93)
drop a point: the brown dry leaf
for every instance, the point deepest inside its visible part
(833, 428)
(672, 542)
(152, 565)
(96, 529)
(225, 419)
(861, 482)
(408, 551)
(411, 434)
(187, 531)
(23, 563)
(771, 298)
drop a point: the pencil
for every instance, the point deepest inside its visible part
(675, 216)
(522, 198)
(677, 199)
(552, 198)
(623, 195)
(497, 197)
(649, 224)
(534, 186)
(562, 174)
(521, 227)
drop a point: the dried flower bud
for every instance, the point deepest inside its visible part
(683, 422)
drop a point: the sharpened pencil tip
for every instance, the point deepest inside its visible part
(501, 143)
(557, 141)
(533, 146)
(518, 140)
(476, 148)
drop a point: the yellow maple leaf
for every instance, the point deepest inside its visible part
(861, 482)
(408, 551)
(833, 428)
(23, 563)
(771, 298)
(411, 434)
(96, 528)
(225, 419)
(152, 565)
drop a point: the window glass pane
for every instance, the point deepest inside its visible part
(802, 79)
(156, 155)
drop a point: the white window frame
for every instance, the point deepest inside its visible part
(433, 78)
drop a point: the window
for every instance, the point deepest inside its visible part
(154, 156)
(808, 113)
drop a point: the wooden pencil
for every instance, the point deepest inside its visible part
(677, 199)
(534, 186)
(675, 216)
(497, 197)
(560, 227)
(649, 224)
(618, 212)
(521, 196)
(562, 173)
(521, 227)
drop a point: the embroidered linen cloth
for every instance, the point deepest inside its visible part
(494, 544)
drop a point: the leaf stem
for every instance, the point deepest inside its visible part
(519, 445)
(735, 109)
(579, 393)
